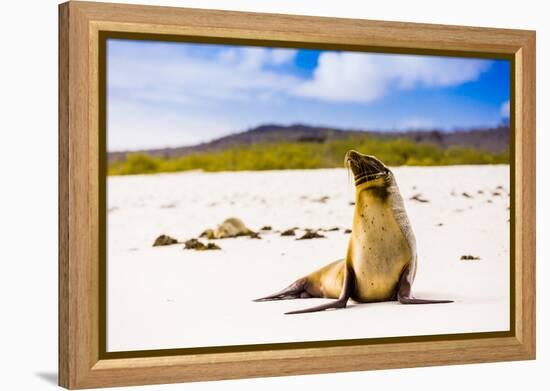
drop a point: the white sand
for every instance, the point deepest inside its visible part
(167, 297)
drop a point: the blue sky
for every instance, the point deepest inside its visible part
(173, 94)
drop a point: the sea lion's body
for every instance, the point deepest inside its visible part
(230, 228)
(380, 262)
(380, 234)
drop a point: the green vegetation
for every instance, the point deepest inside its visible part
(300, 155)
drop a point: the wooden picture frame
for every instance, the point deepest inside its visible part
(83, 362)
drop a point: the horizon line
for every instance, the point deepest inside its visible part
(503, 124)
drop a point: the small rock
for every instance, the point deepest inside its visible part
(480, 192)
(439, 225)
(321, 200)
(311, 235)
(331, 229)
(266, 228)
(288, 232)
(212, 246)
(469, 258)
(352, 203)
(496, 194)
(347, 231)
(464, 194)
(194, 244)
(164, 240)
(418, 197)
(254, 235)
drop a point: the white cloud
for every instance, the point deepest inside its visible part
(254, 58)
(162, 74)
(134, 126)
(505, 109)
(282, 56)
(360, 77)
(160, 95)
(172, 94)
(247, 73)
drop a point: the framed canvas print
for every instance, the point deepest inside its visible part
(247, 195)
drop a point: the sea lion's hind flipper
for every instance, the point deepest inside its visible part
(339, 303)
(296, 290)
(410, 300)
(404, 292)
(347, 287)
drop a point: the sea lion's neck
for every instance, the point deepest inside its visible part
(370, 201)
(378, 204)
(373, 196)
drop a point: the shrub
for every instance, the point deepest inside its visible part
(307, 155)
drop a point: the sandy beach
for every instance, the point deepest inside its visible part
(168, 297)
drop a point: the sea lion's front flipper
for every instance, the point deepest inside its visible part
(404, 292)
(296, 290)
(341, 302)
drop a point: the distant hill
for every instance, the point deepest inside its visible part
(495, 140)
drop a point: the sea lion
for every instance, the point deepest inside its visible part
(230, 228)
(380, 262)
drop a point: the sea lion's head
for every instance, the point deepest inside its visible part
(367, 170)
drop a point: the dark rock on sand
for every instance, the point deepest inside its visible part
(288, 232)
(322, 200)
(310, 234)
(347, 231)
(469, 258)
(419, 198)
(266, 228)
(464, 194)
(194, 244)
(164, 240)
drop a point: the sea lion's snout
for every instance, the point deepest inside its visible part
(351, 158)
(365, 168)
